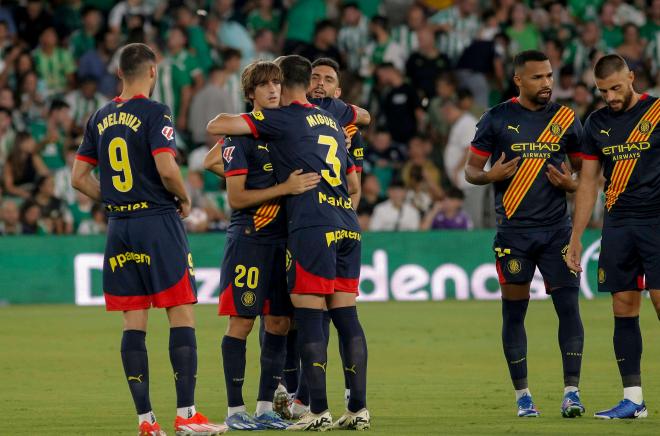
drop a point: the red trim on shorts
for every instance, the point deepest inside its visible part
(475, 150)
(226, 306)
(351, 169)
(237, 172)
(358, 169)
(253, 128)
(163, 150)
(266, 309)
(176, 295)
(133, 302)
(89, 160)
(308, 283)
(347, 285)
(641, 283)
(586, 156)
(500, 274)
(575, 154)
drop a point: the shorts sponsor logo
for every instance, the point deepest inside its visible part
(514, 266)
(601, 275)
(268, 167)
(191, 266)
(338, 235)
(119, 260)
(501, 252)
(248, 298)
(289, 260)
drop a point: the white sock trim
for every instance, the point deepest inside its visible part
(263, 407)
(186, 412)
(521, 392)
(234, 410)
(150, 417)
(568, 389)
(634, 394)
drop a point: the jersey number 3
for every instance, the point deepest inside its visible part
(118, 153)
(332, 159)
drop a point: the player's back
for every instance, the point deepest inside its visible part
(309, 138)
(122, 138)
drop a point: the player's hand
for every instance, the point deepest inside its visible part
(297, 183)
(348, 138)
(574, 255)
(561, 179)
(184, 208)
(503, 170)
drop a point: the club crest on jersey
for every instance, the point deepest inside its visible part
(248, 298)
(227, 152)
(645, 127)
(514, 266)
(556, 129)
(258, 115)
(168, 132)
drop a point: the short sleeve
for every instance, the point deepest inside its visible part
(234, 156)
(350, 164)
(483, 143)
(343, 112)
(589, 148)
(267, 124)
(574, 138)
(161, 131)
(88, 150)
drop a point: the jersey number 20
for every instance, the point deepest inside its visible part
(332, 159)
(118, 153)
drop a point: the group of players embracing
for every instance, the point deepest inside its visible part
(292, 254)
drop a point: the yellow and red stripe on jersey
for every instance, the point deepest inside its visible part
(266, 214)
(351, 129)
(530, 168)
(623, 169)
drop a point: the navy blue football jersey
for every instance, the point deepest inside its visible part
(307, 137)
(250, 156)
(528, 199)
(122, 138)
(628, 147)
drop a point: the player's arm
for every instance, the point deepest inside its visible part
(171, 177)
(84, 181)
(501, 170)
(228, 124)
(213, 160)
(362, 116)
(585, 200)
(354, 188)
(241, 198)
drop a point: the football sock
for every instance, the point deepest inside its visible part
(183, 356)
(149, 417)
(326, 326)
(514, 340)
(571, 332)
(136, 368)
(634, 394)
(628, 350)
(262, 330)
(263, 407)
(186, 412)
(313, 351)
(347, 387)
(292, 362)
(233, 361)
(568, 389)
(354, 360)
(272, 365)
(234, 410)
(521, 392)
(302, 394)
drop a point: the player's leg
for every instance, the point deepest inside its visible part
(620, 272)
(515, 272)
(563, 285)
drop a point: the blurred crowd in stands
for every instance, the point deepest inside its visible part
(426, 70)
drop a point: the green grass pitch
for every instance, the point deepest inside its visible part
(434, 368)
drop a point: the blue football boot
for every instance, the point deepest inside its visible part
(626, 409)
(572, 406)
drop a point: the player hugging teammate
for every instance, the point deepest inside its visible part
(323, 243)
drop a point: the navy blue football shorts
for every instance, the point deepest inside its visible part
(629, 258)
(518, 254)
(253, 279)
(323, 260)
(147, 263)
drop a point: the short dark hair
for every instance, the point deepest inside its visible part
(322, 25)
(58, 104)
(296, 71)
(608, 65)
(134, 59)
(327, 62)
(462, 93)
(528, 56)
(454, 192)
(230, 53)
(258, 73)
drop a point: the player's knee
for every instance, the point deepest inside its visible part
(278, 325)
(239, 327)
(624, 306)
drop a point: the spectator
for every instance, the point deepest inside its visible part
(301, 19)
(264, 45)
(264, 17)
(81, 209)
(97, 224)
(401, 110)
(84, 40)
(8, 102)
(425, 64)
(324, 44)
(559, 28)
(199, 47)
(7, 136)
(383, 156)
(62, 176)
(577, 53)
(10, 223)
(502, 11)
(382, 49)
(612, 35)
(56, 217)
(233, 34)
(632, 48)
(438, 128)
(395, 214)
(651, 29)
(99, 64)
(31, 219)
(467, 104)
(564, 88)
(55, 135)
(353, 36)
(24, 166)
(33, 100)
(122, 13)
(9, 51)
(627, 13)
(84, 101)
(406, 35)
(420, 175)
(582, 101)
(371, 195)
(222, 93)
(31, 21)
(523, 34)
(55, 65)
(448, 214)
(459, 24)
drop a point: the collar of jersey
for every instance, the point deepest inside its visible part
(118, 99)
(302, 104)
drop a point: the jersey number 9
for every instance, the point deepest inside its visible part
(118, 153)
(332, 159)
